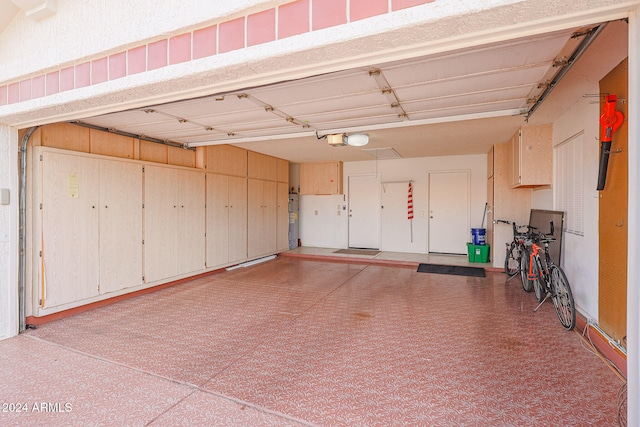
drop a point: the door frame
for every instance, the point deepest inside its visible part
(431, 172)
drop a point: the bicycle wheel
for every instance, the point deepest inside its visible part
(512, 260)
(538, 280)
(562, 298)
(527, 284)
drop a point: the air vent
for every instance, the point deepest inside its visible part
(383, 153)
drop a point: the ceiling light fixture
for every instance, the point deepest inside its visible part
(342, 139)
(358, 139)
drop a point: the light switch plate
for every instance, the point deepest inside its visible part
(4, 196)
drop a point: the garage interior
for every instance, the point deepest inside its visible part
(297, 341)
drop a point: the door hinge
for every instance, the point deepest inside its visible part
(40, 302)
(40, 206)
(40, 157)
(143, 241)
(40, 254)
(142, 279)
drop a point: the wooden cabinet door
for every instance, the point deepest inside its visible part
(120, 225)
(160, 223)
(270, 221)
(191, 221)
(282, 228)
(237, 219)
(255, 218)
(70, 224)
(217, 220)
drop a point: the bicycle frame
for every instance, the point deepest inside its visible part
(544, 270)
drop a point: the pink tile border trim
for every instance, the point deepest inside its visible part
(280, 22)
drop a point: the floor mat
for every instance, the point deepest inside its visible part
(451, 269)
(369, 252)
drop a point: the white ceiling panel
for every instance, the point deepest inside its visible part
(487, 81)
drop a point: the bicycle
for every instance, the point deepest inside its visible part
(550, 281)
(516, 259)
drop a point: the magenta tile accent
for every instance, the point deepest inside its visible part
(67, 79)
(14, 93)
(231, 35)
(25, 90)
(83, 74)
(3, 95)
(157, 54)
(293, 19)
(403, 4)
(53, 83)
(137, 58)
(261, 27)
(180, 49)
(117, 65)
(37, 87)
(204, 42)
(99, 70)
(361, 9)
(328, 13)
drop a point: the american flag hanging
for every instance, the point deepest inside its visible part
(410, 203)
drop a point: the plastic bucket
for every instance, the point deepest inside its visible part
(478, 236)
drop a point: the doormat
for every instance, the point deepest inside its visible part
(451, 269)
(357, 252)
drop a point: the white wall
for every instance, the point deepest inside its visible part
(327, 229)
(29, 46)
(580, 253)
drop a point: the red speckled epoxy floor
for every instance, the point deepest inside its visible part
(304, 342)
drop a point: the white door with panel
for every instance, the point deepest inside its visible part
(448, 212)
(364, 211)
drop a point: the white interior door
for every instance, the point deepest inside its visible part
(449, 212)
(364, 211)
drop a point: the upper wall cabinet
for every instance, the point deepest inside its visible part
(530, 156)
(226, 160)
(321, 178)
(261, 166)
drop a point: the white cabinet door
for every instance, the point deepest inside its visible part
(217, 220)
(191, 222)
(160, 223)
(256, 237)
(262, 212)
(226, 220)
(120, 225)
(70, 221)
(237, 219)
